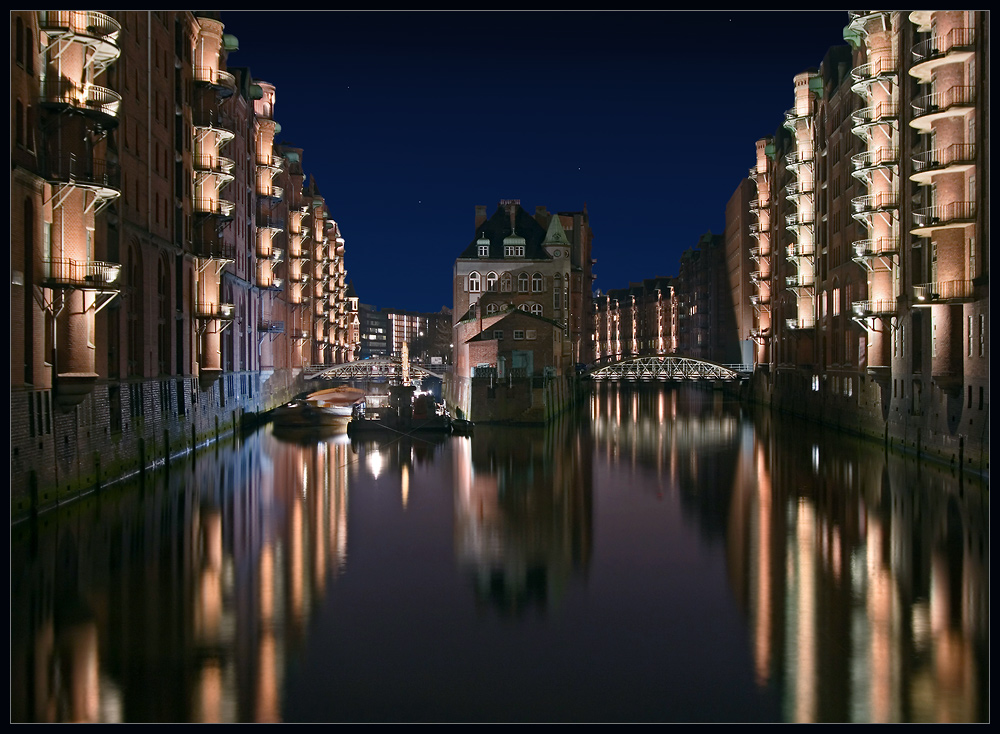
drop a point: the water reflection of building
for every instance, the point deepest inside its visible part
(523, 513)
(223, 558)
(835, 550)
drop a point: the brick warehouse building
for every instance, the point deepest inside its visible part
(170, 272)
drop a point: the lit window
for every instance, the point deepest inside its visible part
(491, 282)
(474, 283)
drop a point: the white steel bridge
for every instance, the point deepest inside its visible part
(666, 368)
(374, 368)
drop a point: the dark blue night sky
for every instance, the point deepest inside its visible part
(409, 120)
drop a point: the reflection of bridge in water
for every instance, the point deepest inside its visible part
(666, 368)
(374, 368)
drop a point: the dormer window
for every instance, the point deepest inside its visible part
(484, 251)
(513, 251)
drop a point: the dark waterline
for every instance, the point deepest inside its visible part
(664, 555)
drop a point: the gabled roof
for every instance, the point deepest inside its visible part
(497, 227)
(487, 333)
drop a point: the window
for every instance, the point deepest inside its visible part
(498, 334)
(484, 251)
(474, 283)
(522, 283)
(970, 339)
(506, 283)
(536, 283)
(491, 282)
(518, 333)
(491, 308)
(556, 297)
(536, 309)
(513, 251)
(982, 339)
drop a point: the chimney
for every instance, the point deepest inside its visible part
(480, 216)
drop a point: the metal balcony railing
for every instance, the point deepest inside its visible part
(80, 22)
(882, 157)
(880, 68)
(881, 201)
(82, 274)
(798, 188)
(933, 216)
(948, 290)
(208, 117)
(964, 153)
(272, 327)
(938, 46)
(83, 97)
(879, 247)
(956, 96)
(215, 77)
(210, 310)
(800, 219)
(874, 308)
(84, 171)
(799, 324)
(216, 164)
(214, 250)
(799, 158)
(215, 207)
(799, 250)
(800, 281)
(268, 221)
(879, 114)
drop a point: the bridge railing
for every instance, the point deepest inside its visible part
(666, 367)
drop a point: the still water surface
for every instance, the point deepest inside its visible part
(661, 556)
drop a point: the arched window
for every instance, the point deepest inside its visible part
(491, 308)
(19, 122)
(523, 306)
(506, 283)
(474, 282)
(163, 322)
(536, 283)
(522, 283)
(491, 282)
(536, 309)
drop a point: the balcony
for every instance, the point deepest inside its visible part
(299, 278)
(269, 191)
(214, 250)
(799, 158)
(223, 82)
(753, 174)
(799, 219)
(958, 45)
(948, 291)
(761, 300)
(269, 221)
(884, 113)
(277, 254)
(208, 120)
(95, 174)
(93, 275)
(98, 103)
(800, 324)
(798, 188)
(759, 275)
(97, 31)
(878, 308)
(884, 157)
(273, 163)
(800, 281)
(759, 251)
(271, 327)
(794, 252)
(794, 119)
(874, 203)
(756, 228)
(880, 70)
(957, 157)
(216, 164)
(951, 102)
(214, 208)
(879, 247)
(945, 216)
(861, 20)
(207, 310)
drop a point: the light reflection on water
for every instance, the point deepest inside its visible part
(662, 556)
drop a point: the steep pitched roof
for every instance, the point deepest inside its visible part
(497, 227)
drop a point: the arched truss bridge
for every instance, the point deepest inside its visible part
(375, 368)
(666, 369)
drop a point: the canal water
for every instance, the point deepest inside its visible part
(662, 555)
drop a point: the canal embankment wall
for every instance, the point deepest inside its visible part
(864, 405)
(123, 428)
(512, 400)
